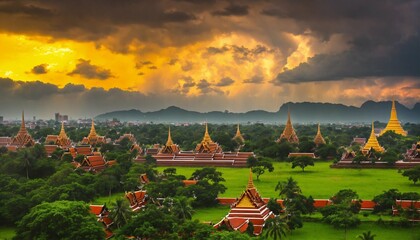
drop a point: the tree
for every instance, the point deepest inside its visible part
(413, 174)
(258, 170)
(276, 228)
(302, 162)
(274, 206)
(288, 188)
(150, 160)
(181, 208)
(259, 166)
(60, 220)
(169, 171)
(343, 219)
(386, 200)
(208, 173)
(27, 159)
(120, 212)
(367, 236)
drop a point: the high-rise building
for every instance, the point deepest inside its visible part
(61, 118)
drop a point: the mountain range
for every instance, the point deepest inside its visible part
(303, 112)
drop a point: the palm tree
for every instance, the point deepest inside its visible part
(120, 213)
(26, 156)
(276, 228)
(367, 236)
(288, 188)
(181, 208)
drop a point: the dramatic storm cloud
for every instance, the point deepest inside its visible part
(141, 54)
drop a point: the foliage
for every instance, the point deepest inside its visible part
(59, 220)
(276, 228)
(120, 212)
(302, 162)
(274, 206)
(413, 174)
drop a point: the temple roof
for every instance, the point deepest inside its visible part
(23, 138)
(393, 123)
(169, 147)
(289, 133)
(372, 143)
(319, 140)
(207, 145)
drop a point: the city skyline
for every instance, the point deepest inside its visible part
(86, 58)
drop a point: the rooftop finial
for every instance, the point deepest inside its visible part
(250, 181)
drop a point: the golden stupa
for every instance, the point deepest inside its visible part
(238, 136)
(319, 140)
(207, 145)
(289, 133)
(393, 123)
(63, 139)
(372, 143)
(170, 147)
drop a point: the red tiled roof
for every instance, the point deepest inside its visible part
(96, 209)
(312, 155)
(189, 182)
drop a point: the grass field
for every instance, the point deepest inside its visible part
(6, 233)
(320, 181)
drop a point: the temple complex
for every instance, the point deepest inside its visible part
(238, 136)
(248, 208)
(319, 140)
(23, 138)
(289, 133)
(372, 143)
(128, 136)
(207, 145)
(393, 123)
(136, 199)
(93, 138)
(169, 147)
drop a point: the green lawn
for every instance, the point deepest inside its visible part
(108, 199)
(7, 232)
(320, 181)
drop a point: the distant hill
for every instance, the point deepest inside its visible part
(304, 112)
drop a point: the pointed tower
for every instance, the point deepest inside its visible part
(372, 143)
(93, 138)
(63, 139)
(249, 207)
(238, 136)
(23, 138)
(394, 123)
(207, 145)
(319, 140)
(289, 133)
(170, 147)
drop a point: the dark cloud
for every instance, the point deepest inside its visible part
(226, 81)
(232, 10)
(142, 64)
(177, 16)
(204, 86)
(40, 69)
(402, 59)
(255, 79)
(215, 50)
(90, 71)
(153, 67)
(173, 61)
(73, 88)
(34, 90)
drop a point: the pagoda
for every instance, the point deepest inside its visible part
(289, 133)
(238, 136)
(319, 140)
(248, 208)
(170, 147)
(23, 138)
(372, 143)
(393, 123)
(62, 140)
(93, 138)
(207, 145)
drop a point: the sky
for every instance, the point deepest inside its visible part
(83, 58)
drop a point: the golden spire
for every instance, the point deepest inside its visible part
(22, 125)
(207, 137)
(62, 134)
(92, 132)
(372, 142)
(394, 123)
(250, 181)
(289, 133)
(238, 135)
(169, 141)
(318, 138)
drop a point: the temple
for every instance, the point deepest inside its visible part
(170, 147)
(207, 145)
(249, 208)
(61, 140)
(289, 133)
(238, 136)
(93, 138)
(372, 143)
(394, 123)
(23, 138)
(319, 140)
